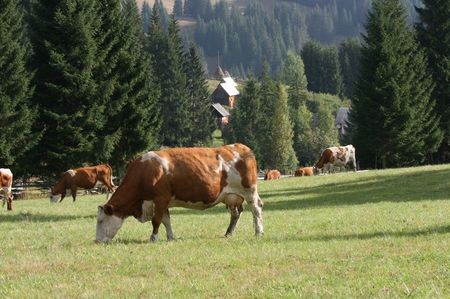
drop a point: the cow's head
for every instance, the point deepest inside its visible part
(316, 170)
(54, 198)
(107, 223)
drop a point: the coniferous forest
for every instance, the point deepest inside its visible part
(87, 82)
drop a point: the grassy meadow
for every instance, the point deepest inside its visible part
(382, 234)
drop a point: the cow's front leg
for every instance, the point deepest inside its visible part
(74, 194)
(63, 194)
(235, 212)
(160, 210)
(9, 204)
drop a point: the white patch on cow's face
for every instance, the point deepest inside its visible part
(107, 226)
(154, 156)
(55, 198)
(71, 172)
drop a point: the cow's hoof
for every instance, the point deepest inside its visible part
(153, 238)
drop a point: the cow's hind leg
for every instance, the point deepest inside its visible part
(167, 225)
(256, 205)
(74, 194)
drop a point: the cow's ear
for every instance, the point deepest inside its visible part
(108, 209)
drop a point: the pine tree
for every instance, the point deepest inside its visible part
(16, 112)
(198, 100)
(434, 36)
(293, 73)
(392, 112)
(268, 95)
(176, 124)
(65, 57)
(280, 152)
(246, 119)
(134, 110)
(349, 57)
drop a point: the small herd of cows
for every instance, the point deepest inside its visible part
(196, 178)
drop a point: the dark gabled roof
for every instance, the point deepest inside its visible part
(222, 111)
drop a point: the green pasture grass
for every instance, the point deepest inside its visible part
(374, 234)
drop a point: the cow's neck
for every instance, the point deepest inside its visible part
(126, 201)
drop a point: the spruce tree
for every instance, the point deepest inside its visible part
(268, 95)
(392, 112)
(280, 152)
(170, 66)
(134, 111)
(198, 100)
(434, 36)
(65, 43)
(16, 112)
(293, 73)
(246, 119)
(349, 57)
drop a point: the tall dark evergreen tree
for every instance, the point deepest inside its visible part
(392, 112)
(16, 112)
(246, 119)
(434, 36)
(349, 57)
(280, 152)
(268, 96)
(70, 101)
(198, 100)
(133, 111)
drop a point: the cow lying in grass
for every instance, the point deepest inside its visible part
(6, 178)
(195, 178)
(304, 171)
(272, 175)
(84, 177)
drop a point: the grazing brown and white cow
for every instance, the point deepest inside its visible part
(304, 171)
(6, 178)
(272, 175)
(196, 178)
(337, 156)
(84, 177)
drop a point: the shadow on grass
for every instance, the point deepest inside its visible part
(443, 229)
(416, 186)
(29, 217)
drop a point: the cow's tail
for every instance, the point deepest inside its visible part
(110, 174)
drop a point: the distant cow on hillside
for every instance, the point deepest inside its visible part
(6, 178)
(304, 171)
(84, 177)
(337, 156)
(272, 175)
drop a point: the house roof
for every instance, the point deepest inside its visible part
(219, 108)
(229, 80)
(342, 116)
(230, 89)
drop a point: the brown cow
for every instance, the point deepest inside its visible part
(6, 178)
(84, 177)
(304, 171)
(196, 178)
(272, 175)
(337, 156)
